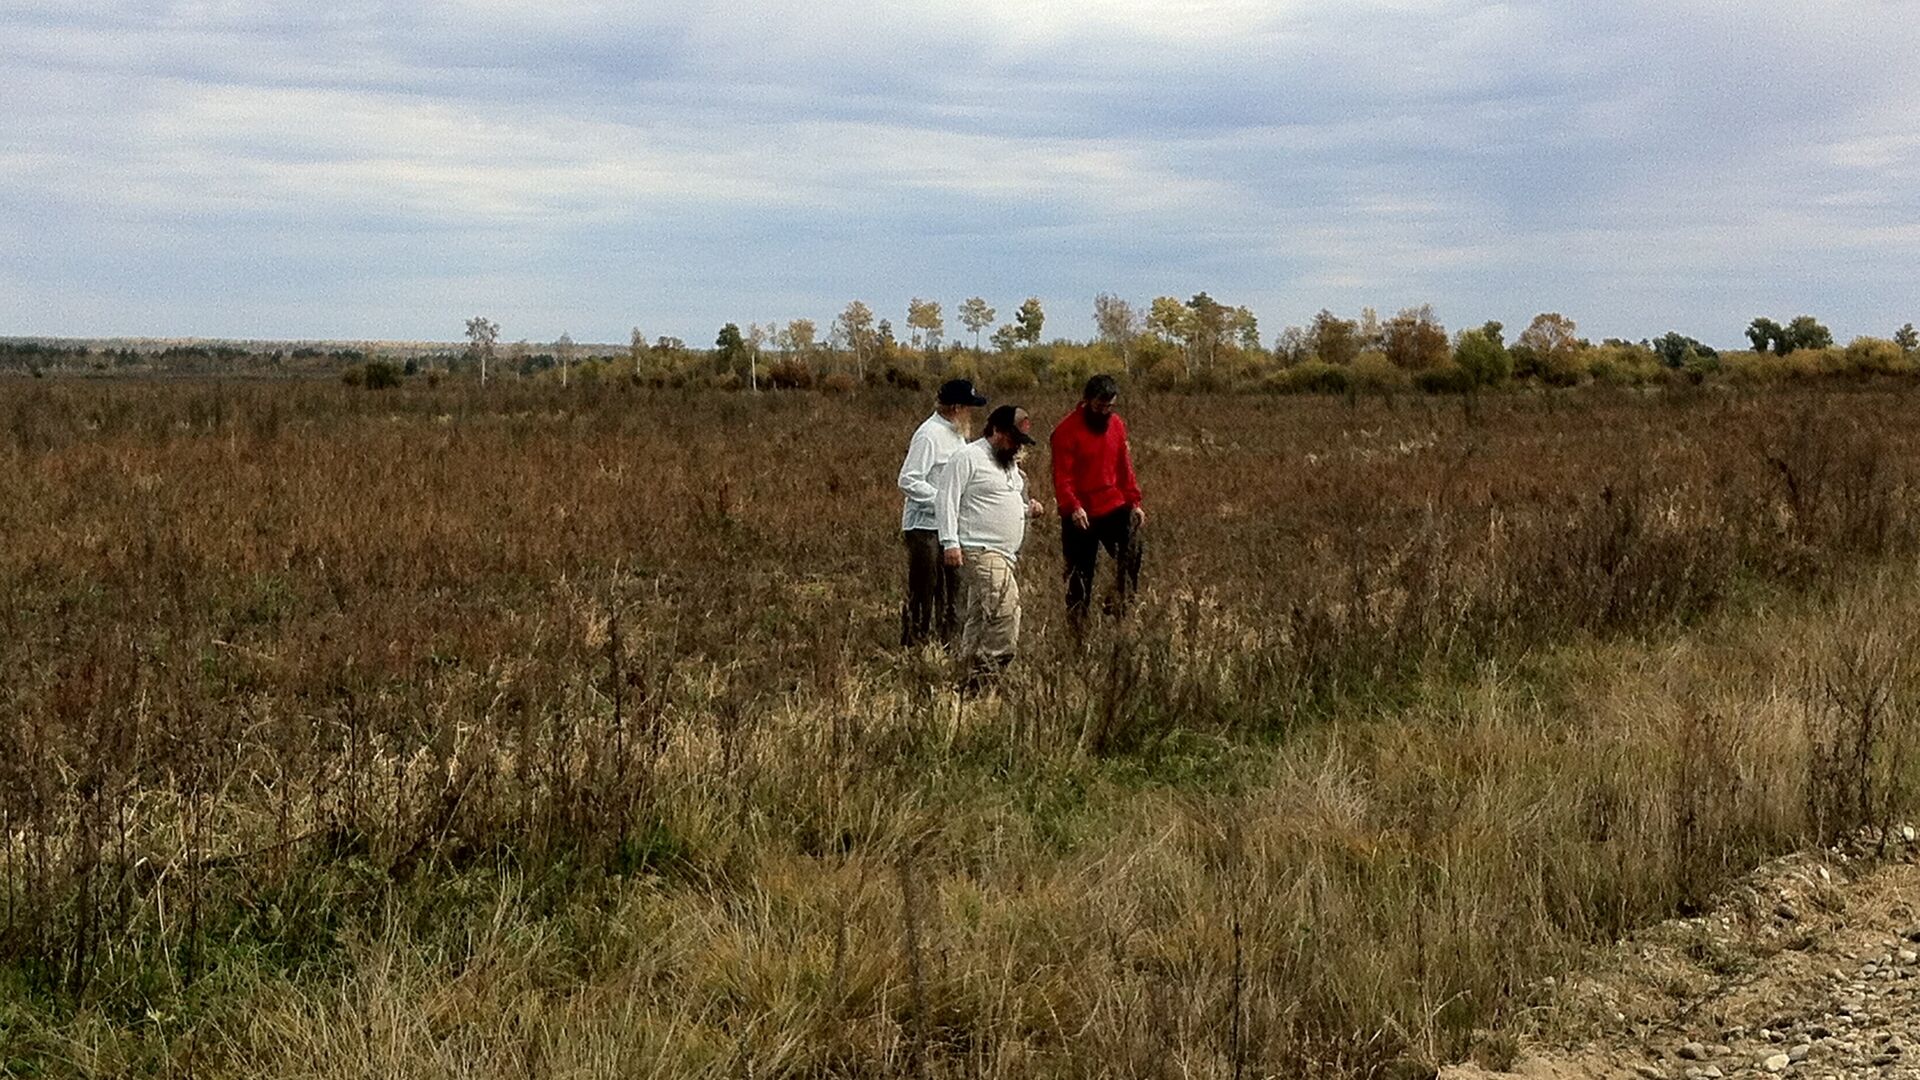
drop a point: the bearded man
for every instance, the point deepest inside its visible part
(1098, 498)
(981, 516)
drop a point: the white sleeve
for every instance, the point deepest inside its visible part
(913, 471)
(946, 506)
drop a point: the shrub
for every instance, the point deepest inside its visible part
(839, 383)
(1011, 375)
(1309, 377)
(1163, 370)
(1373, 373)
(1619, 363)
(1876, 356)
(1446, 379)
(372, 375)
(789, 374)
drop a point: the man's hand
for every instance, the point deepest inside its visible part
(952, 557)
(1034, 509)
(1139, 516)
(1080, 517)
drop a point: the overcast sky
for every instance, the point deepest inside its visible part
(384, 170)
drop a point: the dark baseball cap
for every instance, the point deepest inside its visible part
(1013, 420)
(960, 392)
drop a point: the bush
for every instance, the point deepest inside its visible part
(1623, 364)
(1373, 373)
(1446, 379)
(372, 375)
(789, 375)
(1876, 356)
(1309, 377)
(839, 383)
(1012, 375)
(1163, 371)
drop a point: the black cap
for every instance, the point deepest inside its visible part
(960, 392)
(1013, 420)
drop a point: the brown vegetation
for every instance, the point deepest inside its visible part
(436, 733)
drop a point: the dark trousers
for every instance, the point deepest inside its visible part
(1080, 549)
(933, 591)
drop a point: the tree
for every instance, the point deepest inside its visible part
(757, 336)
(797, 337)
(924, 317)
(1117, 324)
(1244, 326)
(1806, 332)
(1483, 356)
(1028, 321)
(1373, 336)
(637, 348)
(1168, 318)
(563, 352)
(1415, 340)
(1333, 340)
(729, 349)
(1677, 350)
(1292, 346)
(1764, 332)
(976, 316)
(1550, 345)
(1907, 338)
(482, 333)
(1005, 338)
(855, 326)
(1206, 325)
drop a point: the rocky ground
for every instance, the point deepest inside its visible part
(1809, 968)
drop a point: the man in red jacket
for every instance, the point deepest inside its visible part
(1098, 497)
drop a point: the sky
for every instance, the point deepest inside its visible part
(384, 170)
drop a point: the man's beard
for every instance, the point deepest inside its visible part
(1097, 421)
(1005, 455)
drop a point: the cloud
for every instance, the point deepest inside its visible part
(596, 164)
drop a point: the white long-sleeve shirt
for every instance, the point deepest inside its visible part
(982, 505)
(934, 443)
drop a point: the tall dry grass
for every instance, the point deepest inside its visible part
(436, 733)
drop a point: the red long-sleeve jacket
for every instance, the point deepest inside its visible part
(1092, 471)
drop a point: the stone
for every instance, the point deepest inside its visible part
(1785, 911)
(1650, 1072)
(1800, 1052)
(1776, 1063)
(1692, 1051)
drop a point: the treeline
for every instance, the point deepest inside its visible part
(204, 358)
(1201, 344)
(1198, 344)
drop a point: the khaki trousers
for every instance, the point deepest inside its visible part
(991, 625)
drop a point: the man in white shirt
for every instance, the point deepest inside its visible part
(933, 588)
(981, 515)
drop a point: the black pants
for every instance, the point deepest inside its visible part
(1081, 551)
(933, 591)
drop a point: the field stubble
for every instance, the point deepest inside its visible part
(530, 733)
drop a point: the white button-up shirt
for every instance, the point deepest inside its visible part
(936, 441)
(982, 505)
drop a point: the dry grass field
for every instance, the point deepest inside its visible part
(529, 733)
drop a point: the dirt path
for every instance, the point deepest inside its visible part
(1810, 968)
